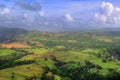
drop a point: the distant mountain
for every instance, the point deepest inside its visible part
(10, 33)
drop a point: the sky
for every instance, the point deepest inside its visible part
(59, 15)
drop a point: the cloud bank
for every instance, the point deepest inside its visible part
(108, 14)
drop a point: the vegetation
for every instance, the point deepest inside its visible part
(61, 56)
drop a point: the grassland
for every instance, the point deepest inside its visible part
(41, 54)
(5, 52)
(21, 72)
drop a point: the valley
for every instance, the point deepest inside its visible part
(36, 55)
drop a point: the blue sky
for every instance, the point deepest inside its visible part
(55, 15)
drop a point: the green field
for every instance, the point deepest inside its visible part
(62, 56)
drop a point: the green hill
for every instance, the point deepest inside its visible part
(86, 55)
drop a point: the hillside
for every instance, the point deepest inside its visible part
(86, 55)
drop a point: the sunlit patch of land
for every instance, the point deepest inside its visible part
(21, 72)
(14, 45)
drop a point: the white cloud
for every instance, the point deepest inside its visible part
(100, 18)
(106, 8)
(5, 11)
(68, 17)
(109, 14)
(41, 13)
(26, 17)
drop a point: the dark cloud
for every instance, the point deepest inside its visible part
(33, 6)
